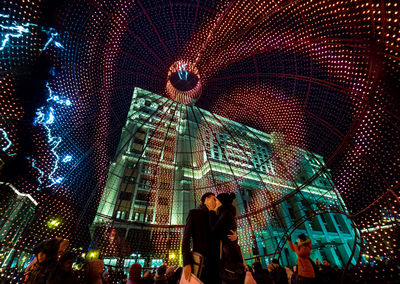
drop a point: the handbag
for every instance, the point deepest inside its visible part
(229, 269)
(197, 263)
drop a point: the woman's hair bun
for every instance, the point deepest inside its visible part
(232, 196)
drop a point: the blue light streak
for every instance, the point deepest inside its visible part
(52, 35)
(5, 135)
(57, 44)
(54, 144)
(15, 31)
(50, 119)
(49, 41)
(40, 172)
(46, 117)
(182, 72)
(53, 141)
(67, 159)
(56, 98)
(59, 180)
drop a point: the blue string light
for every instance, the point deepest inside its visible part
(5, 148)
(182, 73)
(45, 116)
(52, 35)
(67, 159)
(41, 173)
(15, 31)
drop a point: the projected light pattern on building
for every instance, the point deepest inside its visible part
(316, 81)
(152, 186)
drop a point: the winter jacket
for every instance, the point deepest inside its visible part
(222, 228)
(303, 251)
(231, 257)
(197, 229)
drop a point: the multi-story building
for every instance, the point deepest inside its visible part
(16, 212)
(170, 154)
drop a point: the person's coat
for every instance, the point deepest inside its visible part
(279, 274)
(197, 228)
(303, 251)
(232, 258)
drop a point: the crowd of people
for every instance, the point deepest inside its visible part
(53, 264)
(210, 231)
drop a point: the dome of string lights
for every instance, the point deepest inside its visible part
(292, 105)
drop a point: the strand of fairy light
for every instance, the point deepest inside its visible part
(46, 117)
(5, 136)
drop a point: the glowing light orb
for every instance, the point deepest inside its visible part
(183, 83)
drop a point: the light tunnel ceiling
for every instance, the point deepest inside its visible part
(323, 73)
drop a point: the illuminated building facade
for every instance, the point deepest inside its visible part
(16, 212)
(170, 154)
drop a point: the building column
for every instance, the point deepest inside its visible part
(307, 226)
(343, 238)
(288, 220)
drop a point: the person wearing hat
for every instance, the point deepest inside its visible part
(231, 266)
(45, 264)
(302, 248)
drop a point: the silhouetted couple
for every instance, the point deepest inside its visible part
(212, 228)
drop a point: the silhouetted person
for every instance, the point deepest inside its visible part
(197, 229)
(64, 273)
(148, 277)
(327, 274)
(135, 271)
(261, 275)
(278, 273)
(45, 264)
(177, 274)
(170, 275)
(94, 271)
(160, 277)
(231, 263)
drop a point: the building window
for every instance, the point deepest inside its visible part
(142, 198)
(291, 213)
(130, 165)
(338, 222)
(125, 195)
(138, 141)
(129, 179)
(140, 131)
